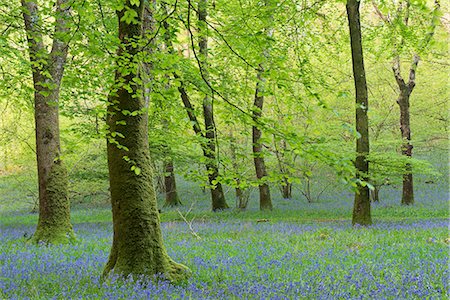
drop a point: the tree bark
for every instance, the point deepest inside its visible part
(361, 208)
(405, 90)
(137, 247)
(54, 207)
(265, 201)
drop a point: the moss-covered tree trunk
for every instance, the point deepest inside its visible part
(138, 247)
(361, 207)
(54, 207)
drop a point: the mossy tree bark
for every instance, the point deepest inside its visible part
(54, 207)
(361, 207)
(137, 247)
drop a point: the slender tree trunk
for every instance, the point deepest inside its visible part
(361, 208)
(286, 186)
(241, 200)
(375, 193)
(54, 207)
(172, 198)
(265, 201)
(137, 247)
(209, 149)
(406, 89)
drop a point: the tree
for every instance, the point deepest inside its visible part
(265, 201)
(208, 136)
(217, 195)
(361, 208)
(402, 19)
(54, 207)
(137, 247)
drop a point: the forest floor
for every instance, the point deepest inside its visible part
(299, 250)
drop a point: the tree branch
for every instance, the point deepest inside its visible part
(60, 46)
(412, 72)
(397, 72)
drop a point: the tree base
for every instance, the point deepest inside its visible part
(52, 235)
(168, 271)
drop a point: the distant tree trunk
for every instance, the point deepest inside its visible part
(361, 208)
(207, 140)
(241, 200)
(54, 207)
(137, 247)
(405, 89)
(265, 201)
(286, 186)
(375, 193)
(217, 195)
(172, 198)
(405, 127)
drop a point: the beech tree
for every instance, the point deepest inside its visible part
(361, 208)
(137, 247)
(400, 20)
(48, 67)
(265, 201)
(207, 136)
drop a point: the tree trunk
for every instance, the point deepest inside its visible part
(265, 201)
(286, 186)
(361, 208)
(137, 247)
(286, 189)
(54, 207)
(405, 127)
(172, 198)
(375, 193)
(241, 200)
(209, 149)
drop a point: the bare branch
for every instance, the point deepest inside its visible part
(412, 72)
(397, 72)
(380, 14)
(189, 223)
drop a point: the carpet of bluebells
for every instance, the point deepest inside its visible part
(243, 260)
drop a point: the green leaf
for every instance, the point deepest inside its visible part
(134, 2)
(137, 170)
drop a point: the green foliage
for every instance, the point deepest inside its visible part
(308, 90)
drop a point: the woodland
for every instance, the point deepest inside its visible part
(234, 149)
